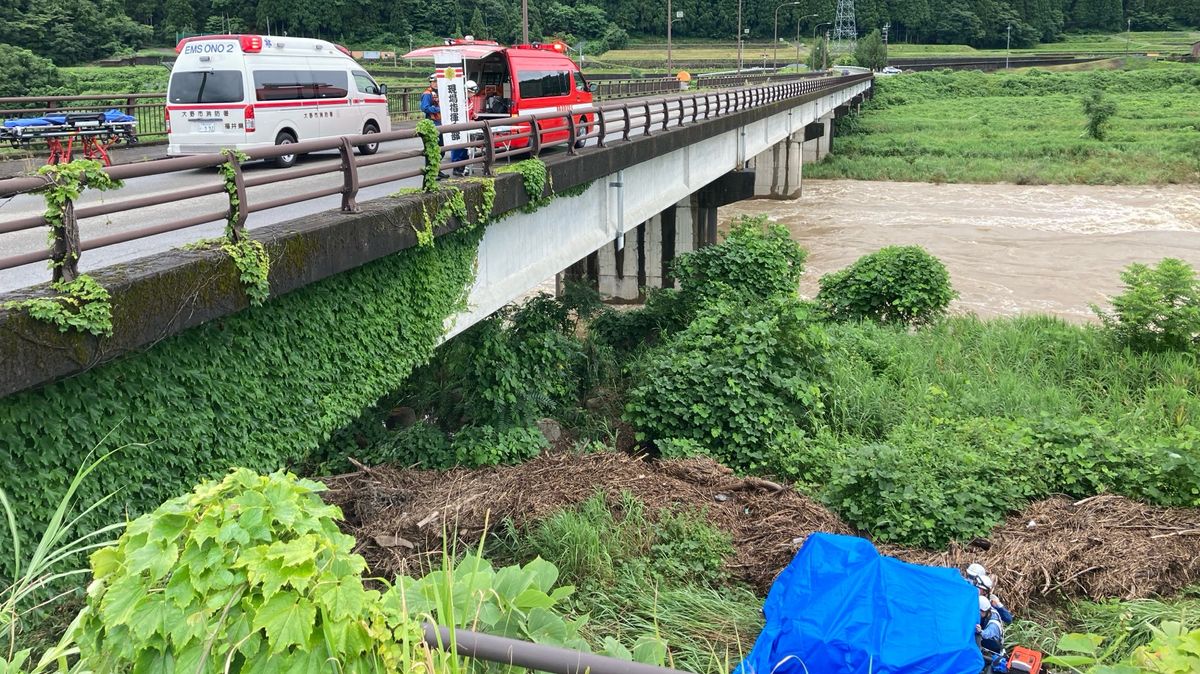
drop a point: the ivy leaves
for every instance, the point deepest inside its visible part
(250, 571)
(83, 305)
(250, 258)
(66, 182)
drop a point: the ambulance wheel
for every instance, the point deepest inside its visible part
(369, 148)
(286, 160)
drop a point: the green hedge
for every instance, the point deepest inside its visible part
(260, 389)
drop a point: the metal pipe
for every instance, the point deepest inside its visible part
(527, 655)
(620, 185)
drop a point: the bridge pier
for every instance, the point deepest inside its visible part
(778, 171)
(641, 258)
(818, 138)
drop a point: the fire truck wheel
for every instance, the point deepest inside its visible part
(581, 130)
(286, 160)
(369, 148)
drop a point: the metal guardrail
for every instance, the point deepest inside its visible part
(536, 133)
(403, 102)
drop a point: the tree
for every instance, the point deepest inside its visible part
(477, 27)
(1098, 109)
(23, 73)
(819, 56)
(870, 52)
(179, 15)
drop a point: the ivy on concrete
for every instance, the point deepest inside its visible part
(82, 304)
(428, 133)
(258, 389)
(253, 266)
(536, 179)
(230, 176)
(65, 182)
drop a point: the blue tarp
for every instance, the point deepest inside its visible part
(840, 607)
(110, 117)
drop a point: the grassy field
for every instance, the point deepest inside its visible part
(691, 51)
(1024, 128)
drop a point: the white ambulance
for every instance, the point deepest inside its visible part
(249, 91)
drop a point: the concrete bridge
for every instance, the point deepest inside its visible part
(650, 176)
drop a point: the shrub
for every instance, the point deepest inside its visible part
(476, 446)
(896, 284)
(625, 330)
(1098, 109)
(1160, 308)
(739, 381)
(756, 260)
(250, 573)
(23, 73)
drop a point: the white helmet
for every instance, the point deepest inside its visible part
(471, 86)
(975, 570)
(984, 582)
(984, 604)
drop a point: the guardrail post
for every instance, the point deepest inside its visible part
(666, 114)
(572, 134)
(65, 252)
(602, 127)
(646, 131)
(129, 105)
(349, 177)
(535, 138)
(237, 226)
(625, 111)
(489, 149)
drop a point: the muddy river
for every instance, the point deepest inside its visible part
(1009, 248)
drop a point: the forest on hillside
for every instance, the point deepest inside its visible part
(70, 33)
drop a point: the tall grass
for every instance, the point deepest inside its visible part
(39, 577)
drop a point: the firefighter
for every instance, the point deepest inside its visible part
(461, 154)
(433, 112)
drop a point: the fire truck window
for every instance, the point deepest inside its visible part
(543, 83)
(290, 85)
(217, 86)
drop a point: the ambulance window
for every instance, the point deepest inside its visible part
(364, 83)
(329, 83)
(290, 85)
(280, 85)
(543, 83)
(214, 86)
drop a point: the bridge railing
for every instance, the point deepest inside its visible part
(403, 102)
(488, 142)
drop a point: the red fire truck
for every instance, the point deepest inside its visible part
(524, 79)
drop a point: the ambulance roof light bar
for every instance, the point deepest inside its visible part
(251, 44)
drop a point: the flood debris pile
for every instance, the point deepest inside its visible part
(1103, 546)
(1099, 547)
(399, 516)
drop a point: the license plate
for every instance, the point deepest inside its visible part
(207, 128)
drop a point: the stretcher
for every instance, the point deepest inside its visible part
(93, 132)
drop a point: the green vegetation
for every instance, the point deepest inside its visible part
(213, 397)
(1023, 128)
(1160, 308)
(640, 573)
(869, 52)
(898, 284)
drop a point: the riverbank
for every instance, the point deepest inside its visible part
(1024, 127)
(1010, 249)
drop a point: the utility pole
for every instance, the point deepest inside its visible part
(671, 18)
(1128, 28)
(825, 52)
(1007, 44)
(525, 21)
(739, 37)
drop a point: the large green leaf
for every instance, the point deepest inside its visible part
(287, 620)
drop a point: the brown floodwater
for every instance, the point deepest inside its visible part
(1009, 248)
